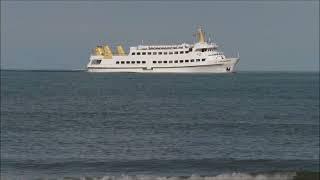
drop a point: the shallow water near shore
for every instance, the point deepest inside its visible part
(79, 125)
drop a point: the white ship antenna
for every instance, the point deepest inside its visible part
(238, 54)
(211, 38)
(195, 34)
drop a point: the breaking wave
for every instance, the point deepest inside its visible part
(225, 176)
(205, 169)
(232, 176)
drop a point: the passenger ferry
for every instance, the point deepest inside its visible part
(200, 57)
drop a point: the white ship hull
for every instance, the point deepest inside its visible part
(205, 68)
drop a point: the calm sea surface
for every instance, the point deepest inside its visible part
(144, 126)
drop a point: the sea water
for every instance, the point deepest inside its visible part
(80, 125)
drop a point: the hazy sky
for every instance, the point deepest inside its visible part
(60, 35)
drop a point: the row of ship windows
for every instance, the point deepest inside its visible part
(159, 53)
(132, 62)
(159, 62)
(166, 53)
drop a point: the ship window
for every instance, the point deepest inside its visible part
(176, 52)
(154, 53)
(159, 62)
(143, 62)
(122, 62)
(165, 61)
(117, 62)
(176, 61)
(186, 52)
(186, 61)
(165, 53)
(96, 61)
(190, 49)
(181, 61)
(133, 53)
(170, 52)
(181, 52)
(144, 53)
(203, 59)
(138, 53)
(192, 60)
(149, 53)
(132, 62)
(170, 61)
(138, 62)
(159, 53)
(127, 62)
(198, 60)
(154, 62)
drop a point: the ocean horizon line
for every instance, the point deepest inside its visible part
(239, 71)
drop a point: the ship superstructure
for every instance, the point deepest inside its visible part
(200, 57)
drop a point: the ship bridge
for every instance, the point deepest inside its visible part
(203, 47)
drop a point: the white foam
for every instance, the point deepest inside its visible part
(227, 176)
(230, 176)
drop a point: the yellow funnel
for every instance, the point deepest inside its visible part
(107, 52)
(201, 36)
(120, 50)
(99, 51)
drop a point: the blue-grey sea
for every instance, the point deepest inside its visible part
(80, 125)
